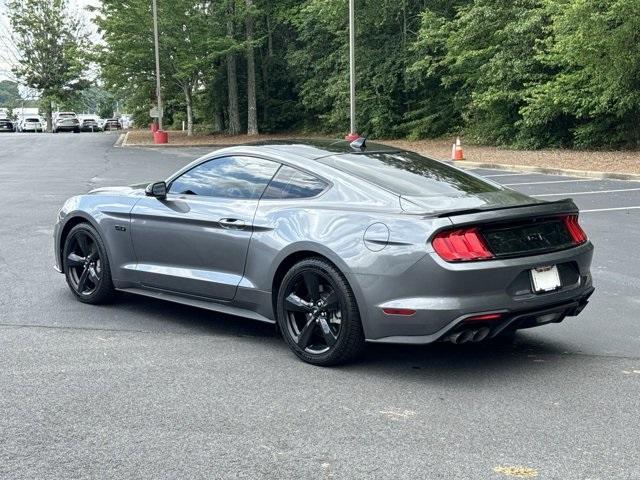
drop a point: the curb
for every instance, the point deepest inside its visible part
(173, 145)
(553, 171)
(122, 139)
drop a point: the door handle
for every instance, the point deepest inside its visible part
(232, 223)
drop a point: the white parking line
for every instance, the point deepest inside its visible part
(609, 209)
(586, 193)
(511, 174)
(552, 181)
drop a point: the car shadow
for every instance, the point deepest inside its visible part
(449, 363)
(189, 319)
(476, 361)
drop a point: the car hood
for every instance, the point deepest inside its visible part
(137, 189)
(478, 201)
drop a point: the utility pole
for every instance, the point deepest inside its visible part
(352, 69)
(155, 39)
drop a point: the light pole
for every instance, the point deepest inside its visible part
(155, 40)
(352, 71)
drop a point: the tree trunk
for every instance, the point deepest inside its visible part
(218, 120)
(188, 97)
(252, 115)
(49, 115)
(232, 77)
(269, 37)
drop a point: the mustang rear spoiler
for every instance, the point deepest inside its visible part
(489, 208)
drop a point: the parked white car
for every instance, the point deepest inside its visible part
(31, 124)
(66, 121)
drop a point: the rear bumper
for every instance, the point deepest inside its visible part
(509, 321)
(67, 127)
(444, 294)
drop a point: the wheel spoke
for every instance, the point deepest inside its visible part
(305, 334)
(75, 260)
(312, 285)
(82, 282)
(94, 252)
(328, 335)
(294, 303)
(83, 243)
(330, 302)
(93, 276)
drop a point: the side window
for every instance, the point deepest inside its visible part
(292, 183)
(227, 177)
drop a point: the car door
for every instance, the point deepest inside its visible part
(195, 241)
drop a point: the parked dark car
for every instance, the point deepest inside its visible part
(6, 125)
(90, 125)
(336, 243)
(112, 124)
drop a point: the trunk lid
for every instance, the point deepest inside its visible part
(442, 205)
(519, 230)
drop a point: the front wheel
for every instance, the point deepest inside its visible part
(318, 315)
(86, 265)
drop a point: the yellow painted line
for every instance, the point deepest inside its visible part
(518, 472)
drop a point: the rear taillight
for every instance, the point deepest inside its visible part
(462, 245)
(575, 230)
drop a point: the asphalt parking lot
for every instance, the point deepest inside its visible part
(146, 389)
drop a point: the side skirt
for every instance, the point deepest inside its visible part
(196, 302)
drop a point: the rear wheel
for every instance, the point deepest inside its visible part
(86, 265)
(318, 315)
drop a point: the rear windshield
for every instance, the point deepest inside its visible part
(67, 115)
(409, 174)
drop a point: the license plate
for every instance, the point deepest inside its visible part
(545, 279)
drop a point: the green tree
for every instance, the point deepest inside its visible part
(52, 46)
(9, 94)
(191, 38)
(593, 99)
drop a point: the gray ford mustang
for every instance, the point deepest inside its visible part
(336, 243)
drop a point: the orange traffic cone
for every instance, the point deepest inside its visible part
(456, 150)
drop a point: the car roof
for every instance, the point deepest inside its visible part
(296, 152)
(314, 149)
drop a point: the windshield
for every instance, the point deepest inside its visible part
(409, 174)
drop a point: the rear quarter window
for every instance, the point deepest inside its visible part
(410, 174)
(292, 183)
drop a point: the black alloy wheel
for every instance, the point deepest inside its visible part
(86, 265)
(318, 315)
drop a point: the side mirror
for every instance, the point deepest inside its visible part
(156, 189)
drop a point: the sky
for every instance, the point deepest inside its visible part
(8, 53)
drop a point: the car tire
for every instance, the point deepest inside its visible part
(86, 265)
(329, 333)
